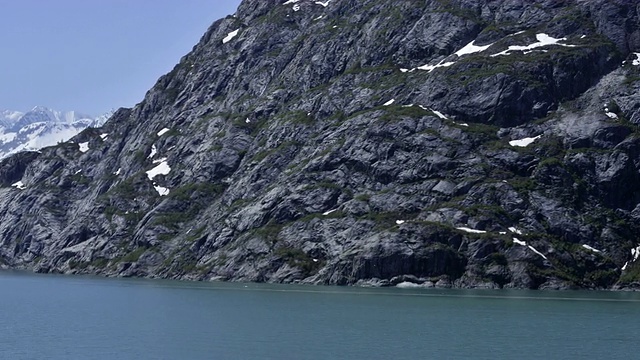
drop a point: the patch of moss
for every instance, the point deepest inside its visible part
(300, 118)
(358, 69)
(483, 132)
(328, 185)
(240, 121)
(133, 256)
(259, 156)
(133, 217)
(492, 211)
(498, 259)
(270, 233)
(139, 156)
(125, 189)
(195, 235)
(523, 184)
(631, 79)
(396, 112)
(386, 220)
(185, 264)
(130, 217)
(550, 162)
(77, 265)
(197, 190)
(452, 8)
(80, 179)
(165, 237)
(172, 220)
(109, 211)
(631, 273)
(99, 263)
(298, 258)
(603, 278)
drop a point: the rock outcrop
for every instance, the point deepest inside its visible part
(425, 143)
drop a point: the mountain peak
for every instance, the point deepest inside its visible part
(40, 108)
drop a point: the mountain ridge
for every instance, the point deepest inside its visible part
(487, 144)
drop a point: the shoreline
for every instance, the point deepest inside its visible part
(361, 284)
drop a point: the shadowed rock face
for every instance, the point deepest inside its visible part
(276, 154)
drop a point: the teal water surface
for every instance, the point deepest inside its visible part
(59, 317)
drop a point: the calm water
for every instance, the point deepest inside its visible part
(56, 317)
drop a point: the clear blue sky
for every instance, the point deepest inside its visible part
(95, 55)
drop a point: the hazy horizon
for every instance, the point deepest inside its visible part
(91, 57)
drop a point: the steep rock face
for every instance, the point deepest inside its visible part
(444, 143)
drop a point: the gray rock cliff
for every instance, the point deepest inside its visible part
(441, 143)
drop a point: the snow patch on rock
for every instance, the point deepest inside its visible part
(524, 243)
(430, 68)
(537, 252)
(162, 191)
(591, 248)
(439, 114)
(154, 151)
(470, 48)
(469, 230)
(515, 230)
(635, 253)
(84, 147)
(543, 40)
(519, 242)
(162, 169)
(524, 142)
(230, 36)
(19, 185)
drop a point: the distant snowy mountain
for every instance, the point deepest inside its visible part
(41, 127)
(9, 117)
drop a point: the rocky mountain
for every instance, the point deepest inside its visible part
(451, 143)
(41, 127)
